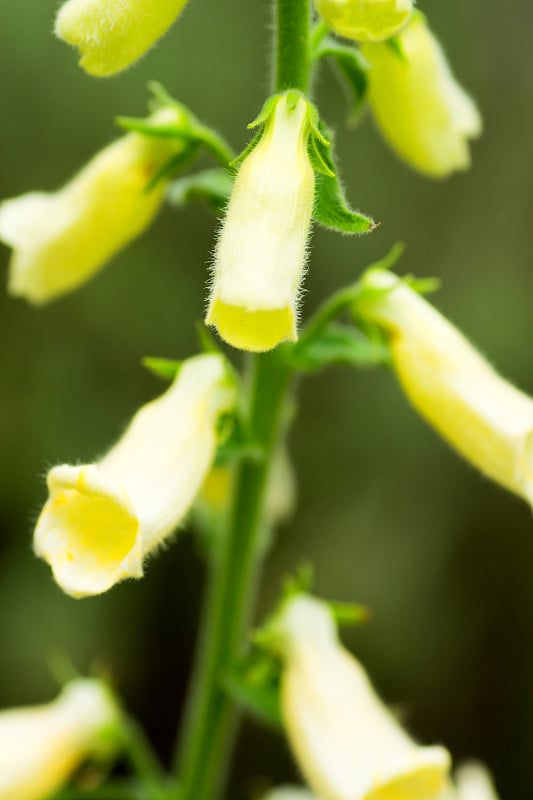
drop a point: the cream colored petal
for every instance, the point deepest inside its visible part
(102, 520)
(40, 747)
(484, 417)
(365, 20)
(261, 252)
(421, 110)
(62, 239)
(474, 782)
(111, 36)
(347, 743)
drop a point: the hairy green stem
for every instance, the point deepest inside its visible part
(293, 44)
(209, 727)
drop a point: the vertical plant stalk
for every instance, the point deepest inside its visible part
(209, 727)
(293, 44)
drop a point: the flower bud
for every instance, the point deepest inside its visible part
(41, 747)
(348, 745)
(260, 256)
(365, 20)
(452, 386)
(112, 35)
(423, 113)
(62, 239)
(474, 782)
(102, 520)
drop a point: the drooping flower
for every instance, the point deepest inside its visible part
(348, 745)
(260, 256)
(420, 108)
(102, 520)
(365, 20)
(452, 386)
(40, 747)
(61, 239)
(112, 35)
(474, 782)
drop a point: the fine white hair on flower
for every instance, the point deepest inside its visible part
(111, 36)
(261, 250)
(102, 520)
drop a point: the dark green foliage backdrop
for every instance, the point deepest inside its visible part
(389, 514)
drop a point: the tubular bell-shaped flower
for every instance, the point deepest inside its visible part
(40, 747)
(61, 239)
(474, 782)
(112, 35)
(260, 256)
(451, 385)
(423, 113)
(348, 745)
(102, 520)
(365, 20)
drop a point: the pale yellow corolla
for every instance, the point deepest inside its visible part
(102, 520)
(365, 20)
(41, 746)
(112, 34)
(61, 239)
(452, 386)
(347, 744)
(261, 251)
(422, 111)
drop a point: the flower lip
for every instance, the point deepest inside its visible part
(88, 531)
(257, 331)
(422, 778)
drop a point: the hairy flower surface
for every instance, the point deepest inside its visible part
(483, 416)
(112, 34)
(260, 256)
(421, 110)
(348, 745)
(365, 20)
(102, 520)
(62, 239)
(40, 747)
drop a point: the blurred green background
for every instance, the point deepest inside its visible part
(390, 516)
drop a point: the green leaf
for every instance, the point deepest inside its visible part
(212, 185)
(339, 344)
(166, 368)
(353, 70)
(254, 684)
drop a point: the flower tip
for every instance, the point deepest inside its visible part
(255, 331)
(87, 532)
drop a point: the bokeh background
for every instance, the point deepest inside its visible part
(390, 516)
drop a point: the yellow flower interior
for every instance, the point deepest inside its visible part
(256, 331)
(87, 538)
(425, 783)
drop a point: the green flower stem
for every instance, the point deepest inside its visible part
(145, 762)
(209, 727)
(293, 45)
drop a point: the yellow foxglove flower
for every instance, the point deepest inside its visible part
(348, 745)
(423, 113)
(260, 256)
(40, 747)
(483, 416)
(112, 34)
(61, 239)
(365, 20)
(102, 520)
(474, 782)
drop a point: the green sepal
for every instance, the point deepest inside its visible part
(236, 442)
(331, 208)
(165, 368)
(177, 162)
(212, 185)
(339, 344)
(349, 614)
(353, 70)
(254, 683)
